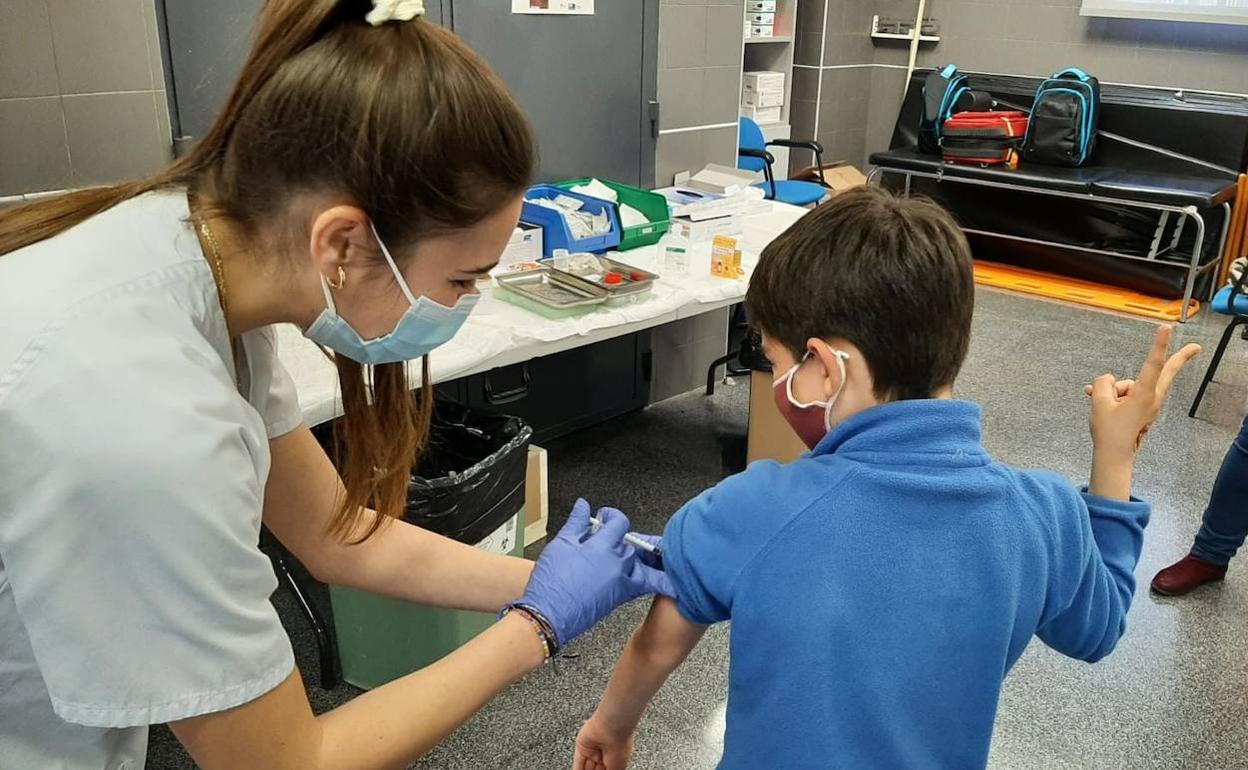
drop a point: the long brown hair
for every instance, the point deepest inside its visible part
(406, 121)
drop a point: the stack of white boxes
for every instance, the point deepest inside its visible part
(760, 18)
(762, 96)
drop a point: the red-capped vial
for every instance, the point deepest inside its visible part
(613, 279)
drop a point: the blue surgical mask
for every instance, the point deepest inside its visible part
(425, 326)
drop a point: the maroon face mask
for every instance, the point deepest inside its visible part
(812, 421)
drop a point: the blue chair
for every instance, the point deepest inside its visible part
(752, 155)
(1231, 301)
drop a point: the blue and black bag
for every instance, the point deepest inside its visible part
(1064, 119)
(941, 92)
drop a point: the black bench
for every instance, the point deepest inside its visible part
(1150, 212)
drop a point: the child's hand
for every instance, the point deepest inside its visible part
(598, 748)
(1124, 410)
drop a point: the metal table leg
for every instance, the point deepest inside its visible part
(1226, 232)
(1194, 267)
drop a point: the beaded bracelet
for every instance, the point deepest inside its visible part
(550, 643)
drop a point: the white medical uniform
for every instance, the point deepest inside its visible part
(132, 476)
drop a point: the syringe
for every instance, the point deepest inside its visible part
(630, 538)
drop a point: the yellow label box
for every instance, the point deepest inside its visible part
(725, 258)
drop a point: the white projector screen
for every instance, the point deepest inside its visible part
(1209, 11)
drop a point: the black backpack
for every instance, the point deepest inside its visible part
(941, 92)
(1064, 119)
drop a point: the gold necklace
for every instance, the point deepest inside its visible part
(218, 266)
(223, 295)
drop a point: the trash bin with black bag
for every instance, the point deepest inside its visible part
(469, 486)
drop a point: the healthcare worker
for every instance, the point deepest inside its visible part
(367, 169)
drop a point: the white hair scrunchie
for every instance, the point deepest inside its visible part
(394, 10)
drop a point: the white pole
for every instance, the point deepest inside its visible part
(914, 46)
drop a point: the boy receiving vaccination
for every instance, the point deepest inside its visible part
(882, 586)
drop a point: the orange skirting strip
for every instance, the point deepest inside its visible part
(1235, 238)
(1079, 292)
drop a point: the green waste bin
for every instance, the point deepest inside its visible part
(651, 204)
(381, 639)
(469, 487)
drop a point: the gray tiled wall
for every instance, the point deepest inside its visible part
(1041, 36)
(803, 113)
(700, 45)
(691, 150)
(700, 52)
(833, 33)
(832, 82)
(82, 94)
(887, 87)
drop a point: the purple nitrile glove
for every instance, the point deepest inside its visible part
(582, 577)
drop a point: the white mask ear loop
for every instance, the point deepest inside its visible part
(841, 357)
(329, 296)
(788, 385)
(787, 377)
(394, 268)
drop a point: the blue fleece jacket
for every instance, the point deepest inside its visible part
(881, 587)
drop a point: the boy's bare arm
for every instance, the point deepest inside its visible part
(656, 649)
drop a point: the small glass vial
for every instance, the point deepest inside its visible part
(674, 252)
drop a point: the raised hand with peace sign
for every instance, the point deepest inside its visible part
(1123, 411)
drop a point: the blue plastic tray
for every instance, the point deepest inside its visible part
(555, 234)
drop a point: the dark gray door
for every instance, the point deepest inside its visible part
(206, 44)
(586, 82)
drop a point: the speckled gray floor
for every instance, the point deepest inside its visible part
(1174, 694)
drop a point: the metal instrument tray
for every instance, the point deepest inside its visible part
(554, 289)
(628, 286)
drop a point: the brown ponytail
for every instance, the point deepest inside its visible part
(403, 119)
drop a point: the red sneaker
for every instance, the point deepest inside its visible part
(1187, 575)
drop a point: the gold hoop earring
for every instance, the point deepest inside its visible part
(342, 279)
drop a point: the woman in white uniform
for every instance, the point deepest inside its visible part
(366, 171)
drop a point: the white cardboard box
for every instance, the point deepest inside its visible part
(536, 496)
(763, 81)
(716, 179)
(525, 245)
(762, 114)
(697, 206)
(762, 99)
(707, 229)
(760, 6)
(762, 30)
(763, 19)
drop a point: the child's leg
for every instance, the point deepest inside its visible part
(1225, 524)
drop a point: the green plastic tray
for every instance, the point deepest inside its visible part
(653, 205)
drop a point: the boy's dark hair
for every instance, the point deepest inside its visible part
(891, 275)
